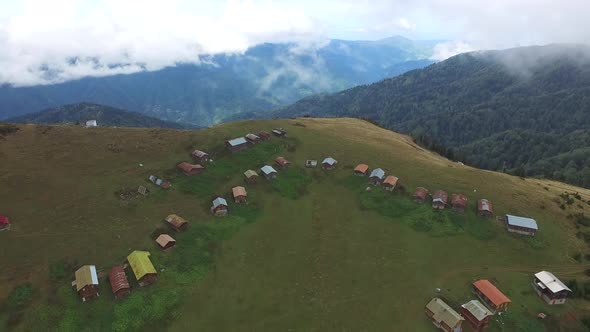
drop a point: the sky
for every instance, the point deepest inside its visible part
(43, 42)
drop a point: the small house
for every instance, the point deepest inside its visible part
(440, 199)
(361, 170)
(264, 136)
(390, 183)
(119, 283)
(476, 314)
(491, 296)
(310, 163)
(458, 202)
(282, 162)
(219, 207)
(86, 282)
(420, 195)
(521, 225)
(279, 132)
(190, 169)
(443, 316)
(200, 156)
(268, 172)
(237, 144)
(178, 223)
(376, 176)
(484, 208)
(91, 123)
(165, 241)
(239, 193)
(251, 176)
(142, 267)
(329, 163)
(4, 223)
(253, 139)
(159, 182)
(549, 288)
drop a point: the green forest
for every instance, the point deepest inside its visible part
(525, 111)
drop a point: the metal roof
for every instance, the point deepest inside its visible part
(237, 141)
(239, 191)
(330, 161)
(378, 172)
(443, 313)
(484, 205)
(219, 201)
(363, 168)
(491, 292)
(522, 222)
(141, 264)
(250, 173)
(550, 281)
(268, 170)
(118, 279)
(86, 275)
(252, 137)
(477, 309)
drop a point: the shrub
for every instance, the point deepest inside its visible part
(20, 297)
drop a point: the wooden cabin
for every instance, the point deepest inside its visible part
(329, 163)
(476, 314)
(279, 132)
(142, 267)
(521, 225)
(4, 223)
(253, 139)
(239, 194)
(190, 169)
(491, 296)
(549, 288)
(219, 207)
(251, 176)
(458, 202)
(178, 223)
(376, 176)
(86, 282)
(420, 195)
(237, 144)
(440, 199)
(268, 172)
(264, 135)
(390, 183)
(165, 241)
(484, 208)
(119, 283)
(443, 316)
(282, 162)
(361, 170)
(200, 156)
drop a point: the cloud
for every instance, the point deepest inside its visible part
(446, 50)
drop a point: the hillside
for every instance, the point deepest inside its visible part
(105, 115)
(264, 77)
(313, 250)
(526, 109)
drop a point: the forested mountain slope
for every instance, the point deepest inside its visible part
(526, 110)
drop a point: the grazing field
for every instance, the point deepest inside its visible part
(311, 251)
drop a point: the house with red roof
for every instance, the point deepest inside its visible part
(420, 195)
(491, 296)
(458, 202)
(4, 223)
(484, 208)
(119, 283)
(390, 183)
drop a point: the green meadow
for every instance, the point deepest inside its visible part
(313, 250)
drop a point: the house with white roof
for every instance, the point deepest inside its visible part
(549, 288)
(237, 144)
(377, 176)
(219, 207)
(268, 172)
(329, 163)
(521, 225)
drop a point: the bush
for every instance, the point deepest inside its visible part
(20, 297)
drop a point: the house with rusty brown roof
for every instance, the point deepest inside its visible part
(420, 194)
(119, 283)
(200, 156)
(361, 170)
(485, 208)
(165, 241)
(239, 194)
(190, 169)
(282, 162)
(177, 222)
(458, 202)
(440, 199)
(390, 183)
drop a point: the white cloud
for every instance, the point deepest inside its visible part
(446, 50)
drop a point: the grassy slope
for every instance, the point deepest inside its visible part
(321, 261)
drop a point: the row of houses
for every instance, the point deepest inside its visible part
(241, 143)
(377, 177)
(86, 282)
(491, 300)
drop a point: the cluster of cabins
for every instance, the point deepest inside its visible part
(86, 282)
(240, 143)
(479, 312)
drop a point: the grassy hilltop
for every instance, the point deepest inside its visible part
(312, 251)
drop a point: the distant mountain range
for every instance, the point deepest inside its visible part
(524, 110)
(266, 76)
(105, 115)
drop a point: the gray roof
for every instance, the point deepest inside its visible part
(521, 222)
(237, 141)
(330, 161)
(550, 281)
(268, 169)
(252, 137)
(478, 310)
(219, 201)
(378, 172)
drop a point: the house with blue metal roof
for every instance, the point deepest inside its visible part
(377, 176)
(237, 144)
(219, 207)
(268, 172)
(521, 225)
